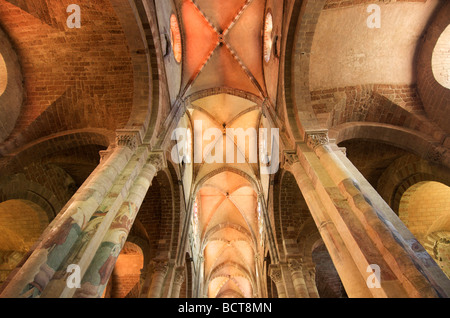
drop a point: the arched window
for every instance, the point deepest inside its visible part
(3, 75)
(195, 219)
(268, 37)
(260, 224)
(175, 37)
(441, 59)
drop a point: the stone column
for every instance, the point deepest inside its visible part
(178, 280)
(108, 185)
(400, 276)
(96, 268)
(277, 277)
(334, 242)
(296, 270)
(200, 277)
(354, 230)
(258, 292)
(103, 263)
(311, 281)
(159, 269)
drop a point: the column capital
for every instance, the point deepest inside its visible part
(275, 273)
(130, 138)
(317, 138)
(159, 267)
(158, 160)
(180, 273)
(295, 265)
(289, 158)
(312, 272)
(436, 154)
(104, 154)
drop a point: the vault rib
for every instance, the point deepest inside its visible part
(246, 70)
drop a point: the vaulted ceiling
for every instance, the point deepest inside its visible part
(223, 45)
(224, 77)
(222, 65)
(80, 87)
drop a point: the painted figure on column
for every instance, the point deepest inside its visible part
(58, 248)
(102, 266)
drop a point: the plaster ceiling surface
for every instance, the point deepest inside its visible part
(354, 54)
(223, 45)
(228, 223)
(223, 49)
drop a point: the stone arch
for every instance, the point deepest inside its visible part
(142, 243)
(422, 204)
(43, 147)
(32, 173)
(11, 87)
(425, 210)
(25, 219)
(223, 90)
(156, 215)
(369, 103)
(435, 97)
(404, 173)
(21, 224)
(187, 286)
(160, 97)
(274, 204)
(294, 212)
(308, 240)
(298, 43)
(125, 278)
(177, 208)
(141, 46)
(327, 279)
(438, 241)
(250, 238)
(19, 188)
(271, 289)
(204, 179)
(415, 142)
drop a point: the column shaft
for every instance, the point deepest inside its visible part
(354, 284)
(178, 281)
(59, 238)
(277, 277)
(102, 264)
(298, 279)
(159, 269)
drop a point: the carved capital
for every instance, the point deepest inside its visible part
(104, 154)
(312, 272)
(128, 138)
(158, 160)
(159, 267)
(295, 265)
(316, 139)
(436, 155)
(275, 274)
(290, 157)
(179, 276)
